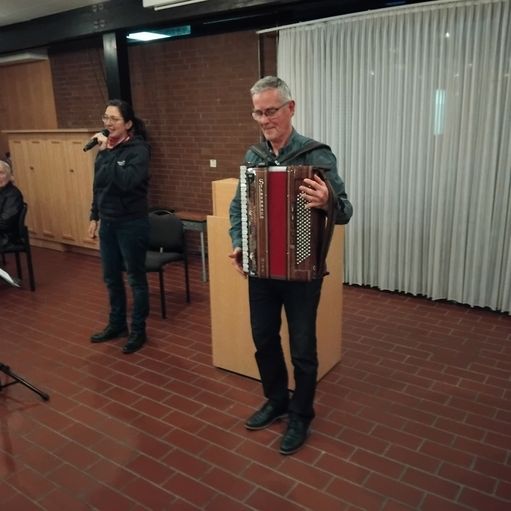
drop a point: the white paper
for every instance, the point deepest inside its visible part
(10, 280)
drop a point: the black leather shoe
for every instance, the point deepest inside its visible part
(109, 333)
(298, 431)
(268, 414)
(135, 342)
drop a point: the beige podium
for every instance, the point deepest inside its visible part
(230, 321)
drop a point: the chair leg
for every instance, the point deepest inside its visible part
(162, 296)
(18, 265)
(30, 269)
(187, 281)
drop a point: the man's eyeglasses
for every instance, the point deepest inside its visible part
(269, 112)
(109, 118)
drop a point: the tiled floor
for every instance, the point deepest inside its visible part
(417, 416)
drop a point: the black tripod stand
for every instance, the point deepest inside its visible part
(18, 379)
(6, 369)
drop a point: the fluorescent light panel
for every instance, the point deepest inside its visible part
(146, 36)
(162, 33)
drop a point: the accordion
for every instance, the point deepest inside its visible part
(281, 237)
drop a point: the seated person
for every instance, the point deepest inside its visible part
(7, 159)
(11, 204)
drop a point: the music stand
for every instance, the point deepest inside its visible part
(5, 368)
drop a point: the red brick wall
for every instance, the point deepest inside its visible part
(268, 51)
(193, 95)
(80, 88)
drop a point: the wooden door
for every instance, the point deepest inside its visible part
(62, 192)
(24, 178)
(79, 171)
(44, 180)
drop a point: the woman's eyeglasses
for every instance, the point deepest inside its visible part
(109, 118)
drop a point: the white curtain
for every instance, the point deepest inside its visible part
(416, 103)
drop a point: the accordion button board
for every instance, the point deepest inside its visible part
(281, 237)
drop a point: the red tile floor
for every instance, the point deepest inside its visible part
(417, 416)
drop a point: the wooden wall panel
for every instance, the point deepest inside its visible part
(26, 98)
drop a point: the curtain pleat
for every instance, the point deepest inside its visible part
(415, 102)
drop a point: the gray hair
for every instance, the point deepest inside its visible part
(272, 82)
(6, 167)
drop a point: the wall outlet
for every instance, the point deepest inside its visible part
(212, 163)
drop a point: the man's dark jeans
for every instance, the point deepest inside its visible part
(123, 247)
(300, 301)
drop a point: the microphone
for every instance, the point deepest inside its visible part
(94, 141)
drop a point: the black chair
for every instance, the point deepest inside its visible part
(19, 245)
(166, 245)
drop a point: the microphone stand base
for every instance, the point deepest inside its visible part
(18, 379)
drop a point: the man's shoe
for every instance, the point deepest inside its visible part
(298, 431)
(268, 414)
(109, 333)
(135, 342)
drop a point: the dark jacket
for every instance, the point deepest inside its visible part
(11, 204)
(121, 181)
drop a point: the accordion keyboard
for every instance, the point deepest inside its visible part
(303, 230)
(244, 217)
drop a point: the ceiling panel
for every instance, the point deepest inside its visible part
(16, 11)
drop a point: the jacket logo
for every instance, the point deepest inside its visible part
(121, 163)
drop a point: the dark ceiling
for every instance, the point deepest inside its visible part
(88, 23)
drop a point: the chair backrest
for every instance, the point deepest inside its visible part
(166, 232)
(22, 228)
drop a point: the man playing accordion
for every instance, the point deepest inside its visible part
(273, 111)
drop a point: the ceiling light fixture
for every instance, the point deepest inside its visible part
(162, 33)
(146, 36)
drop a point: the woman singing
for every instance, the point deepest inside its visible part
(119, 209)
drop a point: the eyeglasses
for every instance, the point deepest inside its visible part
(269, 113)
(109, 118)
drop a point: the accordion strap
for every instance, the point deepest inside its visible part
(261, 150)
